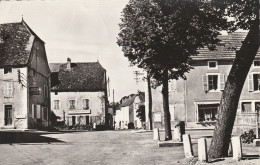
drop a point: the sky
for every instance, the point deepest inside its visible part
(84, 30)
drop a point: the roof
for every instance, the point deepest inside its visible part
(17, 40)
(229, 44)
(127, 101)
(82, 77)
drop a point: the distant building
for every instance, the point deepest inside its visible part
(127, 112)
(196, 100)
(79, 93)
(24, 78)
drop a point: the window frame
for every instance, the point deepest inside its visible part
(216, 67)
(8, 73)
(258, 60)
(6, 91)
(87, 108)
(74, 104)
(197, 110)
(55, 104)
(218, 82)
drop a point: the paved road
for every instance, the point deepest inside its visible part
(104, 147)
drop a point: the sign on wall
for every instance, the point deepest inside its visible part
(35, 90)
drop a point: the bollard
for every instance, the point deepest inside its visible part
(188, 151)
(202, 150)
(237, 147)
(156, 134)
(177, 134)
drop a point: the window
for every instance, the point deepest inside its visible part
(7, 70)
(257, 63)
(71, 104)
(246, 107)
(257, 107)
(207, 112)
(56, 104)
(212, 65)
(36, 111)
(213, 82)
(85, 104)
(254, 82)
(8, 88)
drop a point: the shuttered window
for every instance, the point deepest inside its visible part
(253, 82)
(8, 88)
(213, 82)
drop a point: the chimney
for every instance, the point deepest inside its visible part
(68, 64)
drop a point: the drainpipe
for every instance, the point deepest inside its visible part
(185, 101)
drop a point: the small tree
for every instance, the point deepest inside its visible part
(141, 113)
(161, 35)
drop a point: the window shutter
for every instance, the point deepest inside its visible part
(173, 85)
(32, 110)
(205, 82)
(38, 111)
(222, 81)
(250, 83)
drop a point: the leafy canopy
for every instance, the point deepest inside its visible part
(160, 35)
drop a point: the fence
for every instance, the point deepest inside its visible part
(246, 121)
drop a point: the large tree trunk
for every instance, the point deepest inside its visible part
(150, 102)
(230, 97)
(167, 116)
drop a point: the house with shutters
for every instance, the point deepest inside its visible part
(24, 78)
(196, 100)
(79, 93)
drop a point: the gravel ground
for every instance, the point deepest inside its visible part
(101, 147)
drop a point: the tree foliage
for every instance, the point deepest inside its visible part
(163, 34)
(141, 113)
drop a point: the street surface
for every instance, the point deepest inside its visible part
(95, 147)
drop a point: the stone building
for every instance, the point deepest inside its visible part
(196, 99)
(24, 78)
(79, 93)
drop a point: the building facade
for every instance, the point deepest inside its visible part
(79, 93)
(196, 100)
(127, 112)
(24, 78)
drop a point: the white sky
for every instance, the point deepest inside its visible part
(84, 30)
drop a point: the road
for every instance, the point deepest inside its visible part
(123, 147)
(97, 147)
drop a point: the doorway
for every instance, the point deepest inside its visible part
(73, 120)
(8, 114)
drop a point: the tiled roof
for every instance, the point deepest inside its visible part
(127, 101)
(16, 43)
(227, 50)
(82, 77)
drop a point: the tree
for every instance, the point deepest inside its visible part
(161, 35)
(141, 113)
(246, 16)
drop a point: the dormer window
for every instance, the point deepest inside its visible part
(7, 70)
(257, 63)
(212, 64)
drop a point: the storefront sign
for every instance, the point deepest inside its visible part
(20, 116)
(79, 111)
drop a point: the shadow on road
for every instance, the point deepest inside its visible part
(25, 137)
